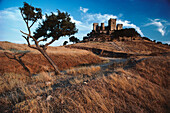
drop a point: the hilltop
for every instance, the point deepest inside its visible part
(133, 48)
(133, 76)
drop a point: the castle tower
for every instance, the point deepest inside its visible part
(95, 26)
(119, 26)
(112, 24)
(102, 27)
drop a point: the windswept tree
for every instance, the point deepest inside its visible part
(52, 27)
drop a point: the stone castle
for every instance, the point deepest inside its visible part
(111, 32)
(107, 29)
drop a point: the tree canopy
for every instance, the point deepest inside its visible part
(74, 39)
(55, 26)
(52, 27)
(128, 32)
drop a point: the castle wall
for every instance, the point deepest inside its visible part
(107, 29)
(102, 26)
(119, 26)
(112, 24)
(95, 26)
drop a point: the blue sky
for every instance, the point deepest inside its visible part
(151, 18)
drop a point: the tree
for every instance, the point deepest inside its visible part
(77, 40)
(74, 39)
(52, 27)
(128, 32)
(65, 42)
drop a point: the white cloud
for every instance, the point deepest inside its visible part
(11, 22)
(84, 9)
(128, 24)
(167, 42)
(98, 17)
(12, 13)
(160, 24)
(89, 19)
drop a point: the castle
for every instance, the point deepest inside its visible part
(111, 32)
(107, 29)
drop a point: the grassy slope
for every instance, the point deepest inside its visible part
(133, 47)
(63, 57)
(144, 87)
(127, 90)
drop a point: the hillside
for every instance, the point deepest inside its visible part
(137, 80)
(64, 58)
(142, 47)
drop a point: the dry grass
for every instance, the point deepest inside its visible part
(84, 70)
(11, 80)
(131, 47)
(141, 88)
(63, 57)
(8, 47)
(155, 69)
(123, 91)
(24, 93)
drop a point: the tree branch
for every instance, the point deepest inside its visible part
(49, 42)
(36, 42)
(23, 16)
(7, 55)
(29, 45)
(42, 40)
(23, 54)
(32, 23)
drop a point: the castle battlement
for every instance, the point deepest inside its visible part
(107, 29)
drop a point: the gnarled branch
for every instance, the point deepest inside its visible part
(27, 38)
(18, 58)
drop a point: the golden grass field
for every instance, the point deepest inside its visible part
(64, 58)
(131, 47)
(140, 87)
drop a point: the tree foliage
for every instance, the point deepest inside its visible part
(130, 32)
(55, 26)
(74, 39)
(52, 27)
(65, 42)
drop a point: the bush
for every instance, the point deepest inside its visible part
(159, 42)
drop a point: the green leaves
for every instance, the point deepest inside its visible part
(30, 13)
(56, 26)
(74, 39)
(53, 26)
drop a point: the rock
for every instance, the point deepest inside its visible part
(39, 97)
(85, 82)
(128, 78)
(49, 98)
(48, 83)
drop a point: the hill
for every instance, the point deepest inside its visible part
(136, 47)
(136, 81)
(64, 58)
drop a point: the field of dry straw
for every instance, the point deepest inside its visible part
(140, 88)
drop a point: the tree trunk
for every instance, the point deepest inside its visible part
(20, 61)
(50, 61)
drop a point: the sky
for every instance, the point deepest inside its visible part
(151, 18)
